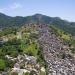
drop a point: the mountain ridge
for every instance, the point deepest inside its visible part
(18, 21)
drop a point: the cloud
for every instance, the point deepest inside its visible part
(12, 7)
(2, 9)
(15, 6)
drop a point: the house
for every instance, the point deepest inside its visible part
(19, 35)
(1, 41)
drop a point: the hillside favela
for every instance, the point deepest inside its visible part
(37, 37)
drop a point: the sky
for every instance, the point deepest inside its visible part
(64, 9)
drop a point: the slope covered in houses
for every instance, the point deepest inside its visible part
(37, 49)
(56, 53)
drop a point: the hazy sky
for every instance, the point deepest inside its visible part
(54, 8)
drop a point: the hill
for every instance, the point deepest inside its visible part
(36, 48)
(18, 21)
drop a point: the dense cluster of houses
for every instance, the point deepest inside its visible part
(56, 54)
(25, 63)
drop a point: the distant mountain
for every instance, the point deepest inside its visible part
(7, 21)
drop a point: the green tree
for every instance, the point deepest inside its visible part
(2, 64)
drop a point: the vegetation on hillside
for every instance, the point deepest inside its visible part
(7, 21)
(22, 42)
